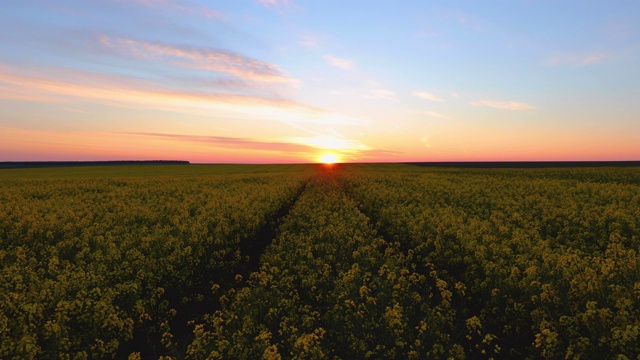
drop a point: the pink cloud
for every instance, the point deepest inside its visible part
(234, 142)
(310, 146)
(503, 105)
(223, 61)
(437, 115)
(9, 91)
(125, 92)
(427, 96)
(383, 94)
(578, 59)
(309, 41)
(275, 3)
(182, 6)
(341, 63)
(594, 58)
(377, 155)
(129, 92)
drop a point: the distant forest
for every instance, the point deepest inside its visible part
(41, 164)
(450, 164)
(527, 164)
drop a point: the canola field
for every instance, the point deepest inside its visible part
(350, 261)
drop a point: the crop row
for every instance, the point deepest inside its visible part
(550, 267)
(359, 261)
(95, 268)
(329, 287)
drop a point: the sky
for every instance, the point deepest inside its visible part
(290, 81)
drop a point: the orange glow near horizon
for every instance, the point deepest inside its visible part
(110, 91)
(329, 159)
(42, 145)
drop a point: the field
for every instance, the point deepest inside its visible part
(380, 261)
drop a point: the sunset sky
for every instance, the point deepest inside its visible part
(281, 81)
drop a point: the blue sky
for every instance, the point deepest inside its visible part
(290, 81)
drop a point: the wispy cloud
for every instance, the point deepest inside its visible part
(503, 105)
(233, 142)
(280, 4)
(291, 145)
(378, 91)
(437, 115)
(114, 90)
(464, 19)
(218, 60)
(224, 83)
(102, 88)
(141, 94)
(329, 142)
(583, 59)
(428, 113)
(341, 63)
(383, 94)
(10, 89)
(593, 58)
(309, 41)
(347, 147)
(377, 154)
(181, 6)
(427, 96)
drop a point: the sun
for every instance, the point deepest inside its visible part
(329, 158)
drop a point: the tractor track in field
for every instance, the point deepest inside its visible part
(252, 247)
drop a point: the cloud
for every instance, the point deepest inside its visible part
(383, 94)
(329, 142)
(226, 83)
(275, 3)
(437, 115)
(218, 60)
(377, 91)
(593, 58)
(378, 154)
(429, 113)
(341, 63)
(129, 91)
(503, 105)
(309, 41)
(348, 148)
(577, 59)
(427, 96)
(292, 145)
(137, 94)
(233, 142)
(10, 91)
(182, 6)
(121, 91)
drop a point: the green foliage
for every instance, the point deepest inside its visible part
(548, 258)
(100, 267)
(371, 261)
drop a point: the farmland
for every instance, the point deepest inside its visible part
(349, 261)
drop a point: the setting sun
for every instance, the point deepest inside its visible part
(329, 159)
